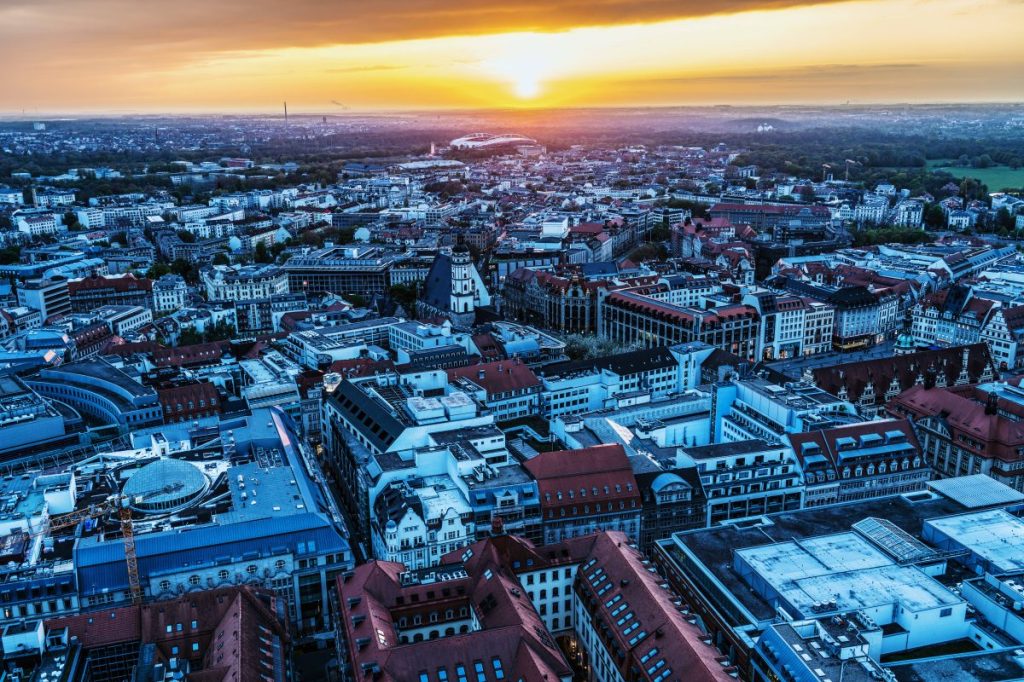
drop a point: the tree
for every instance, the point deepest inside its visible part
(890, 235)
(10, 254)
(1004, 220)
(217, 332)
(971, 189)
(587, 347)
(183, 268)
(660, 233)
(221, 259)
(935, 217)
(186, 236)
(983, 161)
(262, 255)
(406, 295)
(158, 270)
(277, 248)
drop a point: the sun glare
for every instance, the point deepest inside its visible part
(527, 88)
(524, 64)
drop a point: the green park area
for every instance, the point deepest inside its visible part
(995, 177)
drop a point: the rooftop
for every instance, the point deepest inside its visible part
(988, 666)
(844, 569)
(975, 491)
(714, 547)
(95, 368)
(995, 535)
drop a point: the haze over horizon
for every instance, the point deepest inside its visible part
(116, 56)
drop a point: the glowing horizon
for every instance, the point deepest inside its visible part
(866, 51)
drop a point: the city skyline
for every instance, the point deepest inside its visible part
(248, 57)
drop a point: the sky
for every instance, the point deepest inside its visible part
(331, 56)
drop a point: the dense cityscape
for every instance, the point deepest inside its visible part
(708, 393)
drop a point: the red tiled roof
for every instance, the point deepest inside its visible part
(907, 370)
(667, 635)
(238, 617)
(124, 348)
(124, 283)
(574, 480)
(487, 345)
(200, 393)
(768, 209)
(374, 600)
(502, 376)
(197, 354)
(963, 410)
(588, 228)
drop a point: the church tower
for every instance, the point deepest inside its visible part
(463, 287)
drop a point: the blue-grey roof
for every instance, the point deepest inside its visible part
(101, 565)
(667, 478)
(437, 287)
(289, 512)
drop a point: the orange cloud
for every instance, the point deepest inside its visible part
(106, 26)
(69, 55)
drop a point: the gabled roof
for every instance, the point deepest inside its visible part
(963, 411)
(236, 617)
(906, 369)
(577, 480)
(124, 283)
(655, 631)
(582, 462)
(503, 376)
(896, 435)
(183, 356)
(512, 637)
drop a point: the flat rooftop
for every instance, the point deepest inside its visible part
(994, 535)
(845, 568)
(797, 396)
(258, 492)
(816, 654)
(730, 449)
(714, 547)
(988, 666)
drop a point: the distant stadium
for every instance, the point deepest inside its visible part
(489, 141)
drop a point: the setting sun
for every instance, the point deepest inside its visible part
(527, 88)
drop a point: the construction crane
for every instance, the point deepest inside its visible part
(851, 162)
(121, 504)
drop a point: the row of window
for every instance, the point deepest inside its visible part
(480, 672)
(222, 575)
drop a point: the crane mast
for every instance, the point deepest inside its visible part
(121, 504)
